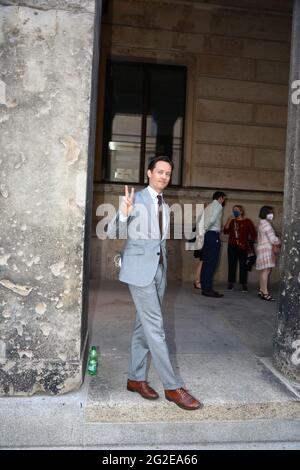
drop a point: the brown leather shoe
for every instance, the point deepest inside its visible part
(142, 388)
(183, 399)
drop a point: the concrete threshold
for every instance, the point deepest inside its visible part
(115, 413)
(245, 390)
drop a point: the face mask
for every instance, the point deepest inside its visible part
(270, 216)
(236, 213)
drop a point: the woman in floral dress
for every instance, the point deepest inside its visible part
(266, 259)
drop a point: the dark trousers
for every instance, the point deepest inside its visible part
(235, 254)
(211, 253)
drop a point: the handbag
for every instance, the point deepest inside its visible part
(196, 238)
(199, 242)
(250, 261)
(251, 256)
(195, 242)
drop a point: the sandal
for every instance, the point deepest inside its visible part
(197, 285)
(267, 297)
(260, 294)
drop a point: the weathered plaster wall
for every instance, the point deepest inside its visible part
(46, 63)
(287, 339)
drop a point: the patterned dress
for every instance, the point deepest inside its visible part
(266, 238)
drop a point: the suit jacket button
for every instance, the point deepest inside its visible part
(158, 254)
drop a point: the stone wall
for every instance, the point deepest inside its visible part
(236, 110)
(46, 66)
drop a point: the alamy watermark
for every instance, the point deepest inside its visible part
(143, 222)
(296, 94)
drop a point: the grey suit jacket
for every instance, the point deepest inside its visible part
(141, 253)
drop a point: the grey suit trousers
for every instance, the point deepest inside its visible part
(148, 334)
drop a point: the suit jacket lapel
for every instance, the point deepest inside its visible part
(147, 198)
(149, 203)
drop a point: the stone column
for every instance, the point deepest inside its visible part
(47, 135)
(287, 339)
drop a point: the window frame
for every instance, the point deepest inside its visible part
(146, 98)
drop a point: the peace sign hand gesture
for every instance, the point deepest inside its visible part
(127, 203)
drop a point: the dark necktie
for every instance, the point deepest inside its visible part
(160, 214)
(160, 221)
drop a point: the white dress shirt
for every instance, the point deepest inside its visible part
(154, 195)
(213, 216)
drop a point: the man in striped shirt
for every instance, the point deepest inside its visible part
(212, 243)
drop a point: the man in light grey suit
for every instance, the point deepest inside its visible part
(143, 219)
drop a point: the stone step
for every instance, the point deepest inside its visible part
(74, 420)
(193, 434)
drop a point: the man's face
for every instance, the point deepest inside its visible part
(160, 176)
(222, 200)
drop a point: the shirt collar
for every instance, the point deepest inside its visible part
(153, 193)
(217, 203)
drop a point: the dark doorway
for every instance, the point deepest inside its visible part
(144, 117)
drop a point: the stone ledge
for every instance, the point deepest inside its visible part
(87, 6)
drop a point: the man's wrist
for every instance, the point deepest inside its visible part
(123, 217)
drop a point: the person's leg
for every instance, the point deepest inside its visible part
(232, 264)
(243, 268)
(147, 301)
(263, 280)
(205, 260)
(197, 282)
(260, 292)
(268, 279)
(139, 353)
(211, 252)
(265, 295)
(139, 346)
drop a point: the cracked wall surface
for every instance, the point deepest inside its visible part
(46, 51)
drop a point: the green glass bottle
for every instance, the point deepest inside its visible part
(93, 361)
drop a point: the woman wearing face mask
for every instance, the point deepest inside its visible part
(241, 233)
(265, 257)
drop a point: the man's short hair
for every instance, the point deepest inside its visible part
(218, 194)
(264, 211)
(160, 158)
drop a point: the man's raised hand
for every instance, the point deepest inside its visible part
(127, 203)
